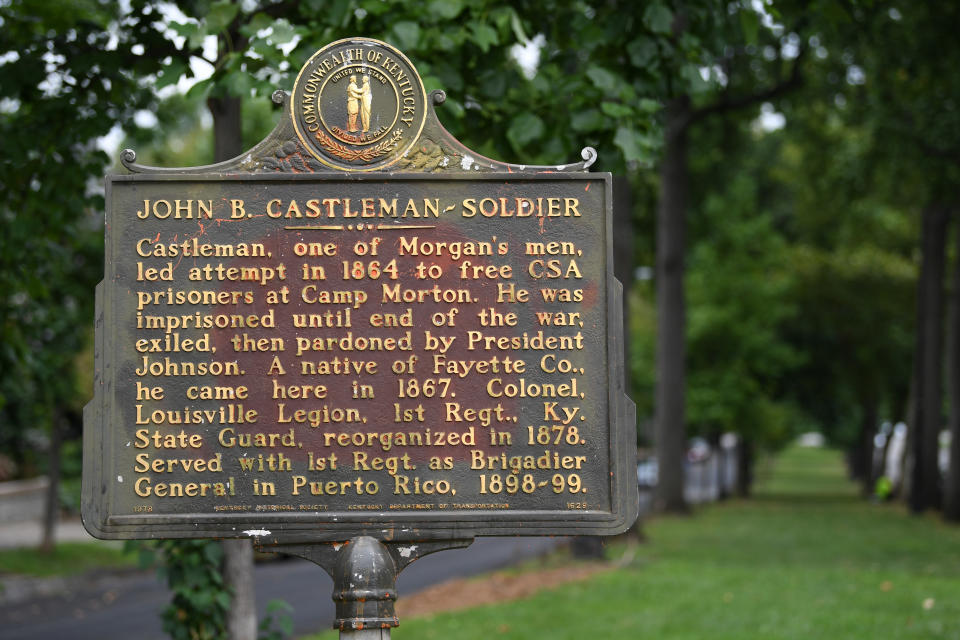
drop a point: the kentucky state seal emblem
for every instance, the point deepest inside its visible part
(358, 105)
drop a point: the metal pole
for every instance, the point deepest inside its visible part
(366, 634)
(364, 572)
(365, 586)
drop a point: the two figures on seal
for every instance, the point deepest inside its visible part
(359, 101)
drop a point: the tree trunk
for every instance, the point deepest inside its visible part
(951, 502)
(863, 452)
(905, 463)
(51, 510)
(227, 127)
(587, 547)
(669, 434)
(237, 554)
(925, 474)
(238, 575)
(744, 468)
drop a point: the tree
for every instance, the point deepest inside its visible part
(739, 286)
(643, 62)
(821, 254)
(951, 503)
(854, 268)
(62, 86)
(730, 41)
(907, 90)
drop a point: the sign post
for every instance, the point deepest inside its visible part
(359, 342)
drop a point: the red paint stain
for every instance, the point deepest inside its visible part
(590, 295)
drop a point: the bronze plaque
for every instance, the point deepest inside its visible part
(302, 356)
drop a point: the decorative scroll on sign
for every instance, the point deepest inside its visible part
(358, 327)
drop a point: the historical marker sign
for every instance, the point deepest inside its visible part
(309, 354)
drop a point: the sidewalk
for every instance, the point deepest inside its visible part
(16, 589)
(28, 534)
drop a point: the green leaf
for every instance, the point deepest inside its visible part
(517, 27)
(643, 52)
(484, 35)
(223, 599)
(432, 83)
(407, 34)
(658, 19)
(446, 9)
(146, 558)
(589, 120)
(278, 606)
(171, 73)
(196, 39)
(263, 48)
(185, 29)
(628, 141)
(200, 88)
(219, 15)
(238, 83)
(257, 23)
(750, 23)
(616, 110)
(604, 80)
(524, 129)
(213, 552)
(695, 81)
(449, 41)
(454, 108)
(450, 77)
(493, 85)
(283, 32)
(649, 106)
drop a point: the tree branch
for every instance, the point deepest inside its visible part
(913, 131)
(728, 103)
(952, 155)
(278, 10)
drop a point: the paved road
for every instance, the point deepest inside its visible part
(128, 606)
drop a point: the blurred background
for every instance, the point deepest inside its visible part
(786, 225)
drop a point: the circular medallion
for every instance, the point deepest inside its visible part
(358, 105)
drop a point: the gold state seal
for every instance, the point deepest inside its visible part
(358, 105)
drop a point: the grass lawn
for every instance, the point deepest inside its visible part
(806, 558)
(68, 558)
